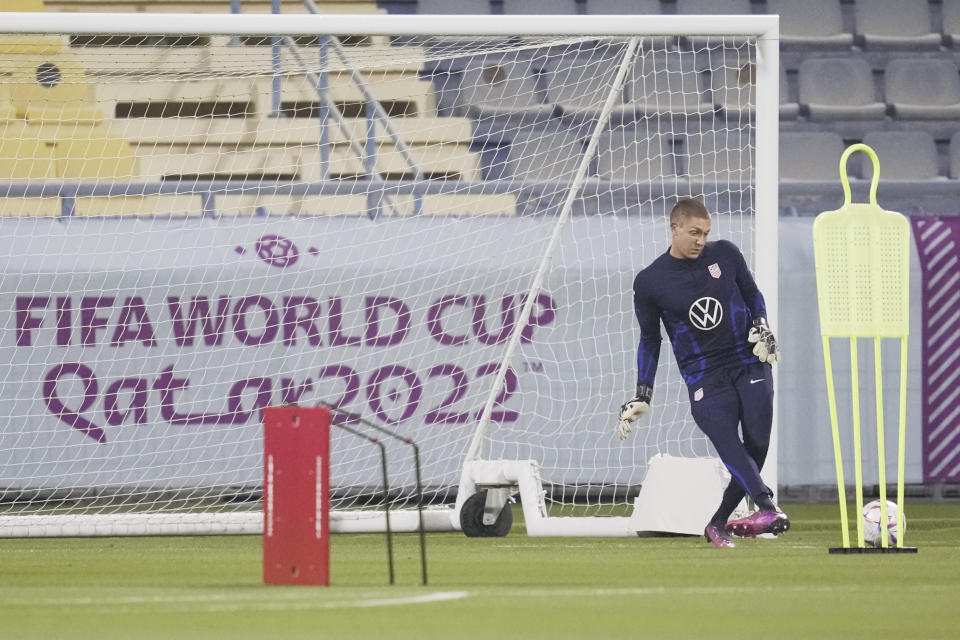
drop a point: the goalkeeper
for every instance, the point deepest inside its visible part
(715, 317)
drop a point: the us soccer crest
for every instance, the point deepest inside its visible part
(714, 270)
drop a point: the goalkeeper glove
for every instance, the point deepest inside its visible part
(765, 344)
(633, 409)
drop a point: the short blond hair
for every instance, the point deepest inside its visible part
(688, 208)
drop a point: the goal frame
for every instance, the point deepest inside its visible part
(765, 28)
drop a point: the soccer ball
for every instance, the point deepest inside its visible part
(872, 515)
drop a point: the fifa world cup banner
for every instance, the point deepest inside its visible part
(144, 352)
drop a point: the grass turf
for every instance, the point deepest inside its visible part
(513, 587)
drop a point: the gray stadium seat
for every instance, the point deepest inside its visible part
(734, 88)
(712, 7)
(950, 15)
(636, 154)
(788, 108)
(661, 83)
(903, 155)
(720, 155)
(838, 89)
(895, 24)
(581, 79)
(814, 23)
(955, 156)
(923, 88)
(810, 155)
(463, 7)
(518, 7)
(614, 7)
(495, 85)
(537, 155)
(708, 7)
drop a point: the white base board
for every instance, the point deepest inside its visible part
(679, 495)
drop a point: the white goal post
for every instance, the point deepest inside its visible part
(429, 221)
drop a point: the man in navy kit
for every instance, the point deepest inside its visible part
(715, 317)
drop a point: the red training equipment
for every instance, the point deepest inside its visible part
(296, 497)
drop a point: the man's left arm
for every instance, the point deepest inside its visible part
(760, 335)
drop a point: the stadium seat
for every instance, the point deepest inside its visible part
(895, 24)
(582, 79)
(950, 14)
(636, 154)
(734, 89)
(53, 90)
(708, 7)
(7, 110)
(464, 7)
(30, 44)
(23, 5)
(665, 84)
(838, 89)
(904, 155)
(536, 156)
(721, 155)
(24, 156)
(955, 156)
(518, 7)
(811, 23)
(97, 156)
(494, 85)
(810, 155)
(625, 7)
(923, 88)
(452, 204)
(185, 205)
(788, 108)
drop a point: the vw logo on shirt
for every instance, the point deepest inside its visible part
(706, 313)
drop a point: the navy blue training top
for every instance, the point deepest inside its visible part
(706, 305)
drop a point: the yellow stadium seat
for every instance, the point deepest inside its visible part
(22, 5)
(7, 110)
(133, 206)
(25, 157)
(99, 157)
(30, 44)
(52, 89)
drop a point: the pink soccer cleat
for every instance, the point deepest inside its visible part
(760, 522)
(715, 534)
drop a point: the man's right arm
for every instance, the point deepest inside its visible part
(648, 354)
(648, 351)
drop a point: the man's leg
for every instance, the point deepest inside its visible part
(715, 406)
(755, 388)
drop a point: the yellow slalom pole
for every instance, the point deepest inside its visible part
(881, 455)
(837, 455)
(902, 440)
(857, 457)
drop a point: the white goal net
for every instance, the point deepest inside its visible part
(199, 225)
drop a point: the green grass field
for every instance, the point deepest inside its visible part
(505, 588)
